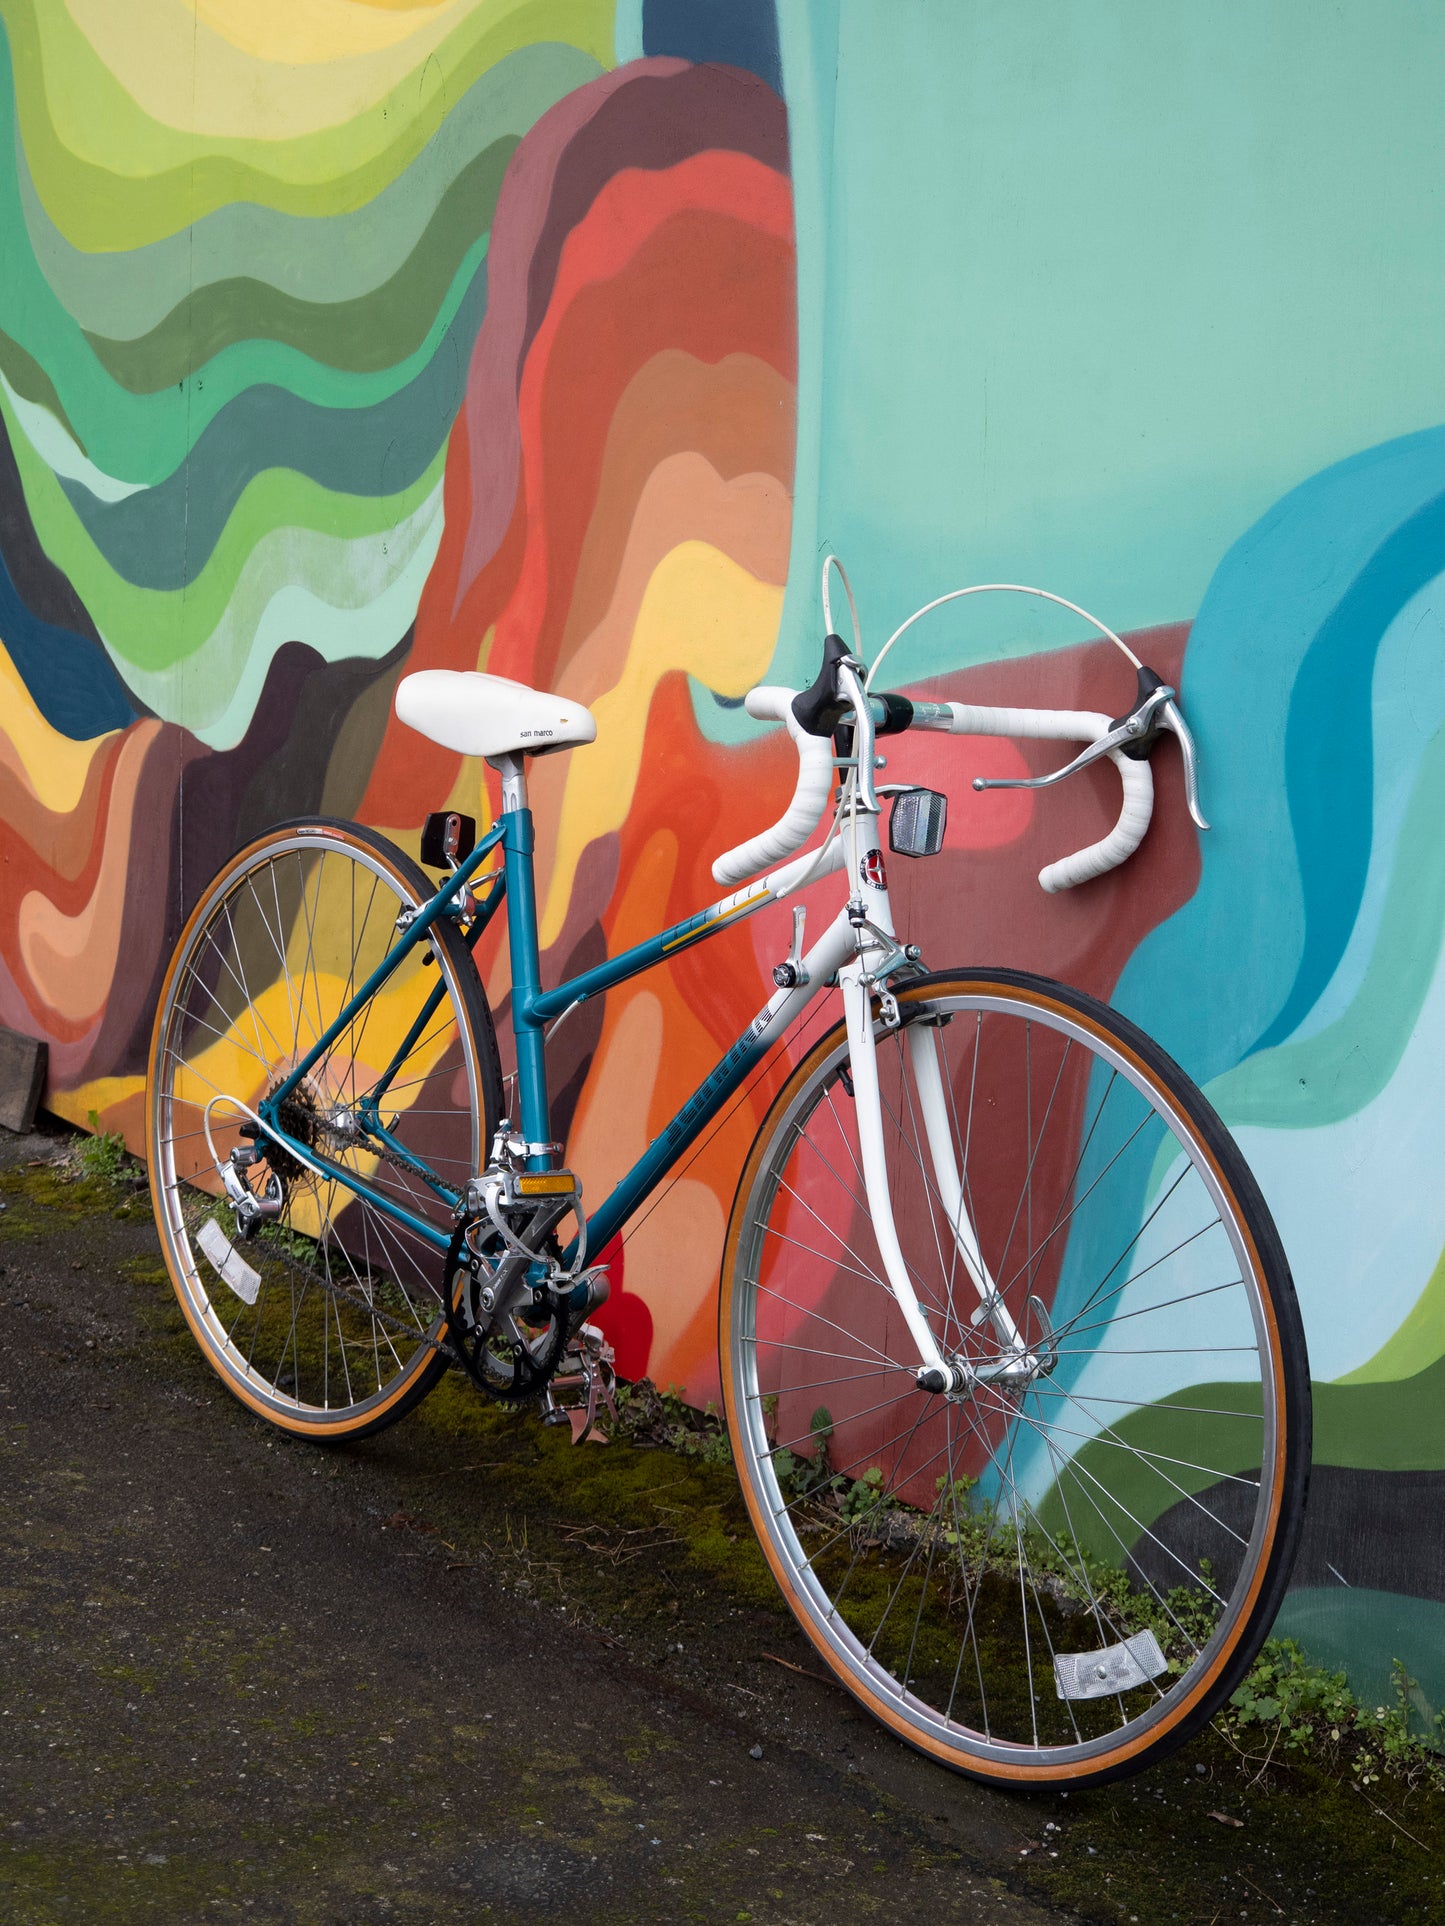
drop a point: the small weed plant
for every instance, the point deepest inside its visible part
(647, 1416)
(103, 1155)
(1288, 1705)
(860, 1502)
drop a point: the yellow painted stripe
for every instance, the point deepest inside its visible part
(723, 916)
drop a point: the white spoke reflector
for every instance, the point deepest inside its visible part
(228, 1262)
(1118, 1668)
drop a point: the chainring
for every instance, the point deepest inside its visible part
(501, 1357)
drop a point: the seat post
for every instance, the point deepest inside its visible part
(513, 771)
(518, 843)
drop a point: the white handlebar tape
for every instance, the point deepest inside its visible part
(810, 798)
(1122, 840)
(1057, 725)
(1073, 725)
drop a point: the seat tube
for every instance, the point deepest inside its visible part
(518, 843)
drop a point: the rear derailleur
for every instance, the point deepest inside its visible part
(516, 1316)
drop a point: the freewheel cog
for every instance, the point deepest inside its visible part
(300, 1116)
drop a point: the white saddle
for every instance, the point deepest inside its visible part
(490, 715)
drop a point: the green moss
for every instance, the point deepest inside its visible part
(146, 1270)
(614, 1515)
(38, 1883)
(65, 1186)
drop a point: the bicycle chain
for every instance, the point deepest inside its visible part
(384, 1154)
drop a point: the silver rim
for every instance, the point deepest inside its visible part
(1032, 1576)
(347, 1310)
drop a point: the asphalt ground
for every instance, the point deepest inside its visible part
(464, 1671)
(247, 1679)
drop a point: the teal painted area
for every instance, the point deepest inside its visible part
(1333, 1073)
(1143, 305)
(1361, 1633)
(1328, 771)
(1090, 345)
(627, 31)
(1294, 756)
(1408, 704)
(1202, 982)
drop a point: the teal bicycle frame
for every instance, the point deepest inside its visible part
(533, 1008)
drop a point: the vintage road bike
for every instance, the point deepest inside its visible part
(1012, 1367)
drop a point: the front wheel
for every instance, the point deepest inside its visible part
(1058, 1572)
(328, 1320)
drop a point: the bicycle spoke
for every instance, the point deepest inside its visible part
(980, 1556)
(333, 1333)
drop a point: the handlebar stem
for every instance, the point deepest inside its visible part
(850, 685)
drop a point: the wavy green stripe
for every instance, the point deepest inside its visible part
(1366, 1427)
(342, 596)
(1214, 1425)
(29, 379)
(145, 438)
(61, 452)
(151, 629)
(126, 295)
(172, 177)
(1378, 1426)
(1324, 1078)
(161, 536)
(336, 635)
(363, 336)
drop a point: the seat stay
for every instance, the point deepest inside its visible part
(414, 933)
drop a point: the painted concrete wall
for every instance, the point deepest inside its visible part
(562, 337)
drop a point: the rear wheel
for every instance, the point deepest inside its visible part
(328, 1321)
(1058, 1573)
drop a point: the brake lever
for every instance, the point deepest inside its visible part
(1126, 735)
(1172, 716)
(1133, 735)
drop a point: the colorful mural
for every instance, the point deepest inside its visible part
(561, 337)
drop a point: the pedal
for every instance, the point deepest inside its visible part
(584, 1380)
(590, 1292)
(522, 1204)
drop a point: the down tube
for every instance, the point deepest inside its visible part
(664, 1150)
(820, 965)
